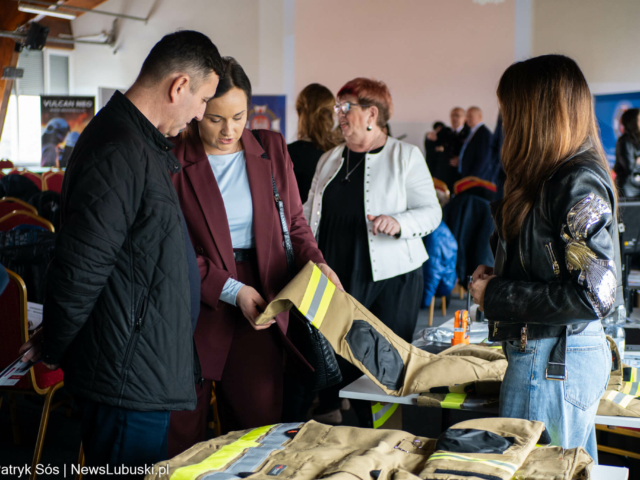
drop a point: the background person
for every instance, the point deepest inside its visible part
(452, 145)
(475, 155)
(371, 202)
(123, 289)
(316, 133)
(434, 145)
(226, 193)
(557, 259)
(627, 166)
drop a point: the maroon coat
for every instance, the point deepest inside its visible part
(208, 226)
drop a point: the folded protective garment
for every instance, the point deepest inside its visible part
(357, 335)
(622, 397)
(490, 449)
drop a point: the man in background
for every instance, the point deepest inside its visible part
(452, 144)
(475, 155)
(434, 145)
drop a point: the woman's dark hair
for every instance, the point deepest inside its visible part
(629, 121)
(548, 116)
(234, 77)
(438, 124)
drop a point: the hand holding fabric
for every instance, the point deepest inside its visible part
(252, 304)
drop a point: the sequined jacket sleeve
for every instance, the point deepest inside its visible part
(578, 220)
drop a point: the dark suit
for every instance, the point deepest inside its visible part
(475, 159)
(247, 365)
(452, 144)
(435, 150)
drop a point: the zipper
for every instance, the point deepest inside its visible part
(554, 262)
(133, 341)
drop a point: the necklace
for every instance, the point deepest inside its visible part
(349, 172)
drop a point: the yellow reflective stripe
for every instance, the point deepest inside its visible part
(376, 407)
(626, 400)
(382, 420)
(634, 374)
(453, 400)
(324, 305)
(221, 457)
(611, 395)
(509, 467)
(631, 388)
(310, 291)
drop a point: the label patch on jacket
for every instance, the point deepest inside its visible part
(292, 433)
(277, 470)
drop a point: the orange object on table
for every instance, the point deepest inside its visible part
(461, 328)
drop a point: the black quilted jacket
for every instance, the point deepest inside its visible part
(563, 269)
(117, 310)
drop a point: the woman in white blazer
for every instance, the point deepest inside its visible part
(371, 201)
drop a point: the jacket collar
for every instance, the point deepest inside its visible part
(121, 107)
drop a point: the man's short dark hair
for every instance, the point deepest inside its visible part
(438, 124)
(185, 51)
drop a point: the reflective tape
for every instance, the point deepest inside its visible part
(631, 388)
(244, 455)
(317, 297)
(620, 398)
(453, 400)
(381, 413)
(634, 374)
(509, 467)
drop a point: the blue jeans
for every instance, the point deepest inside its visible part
(116, 436)
(567, 408)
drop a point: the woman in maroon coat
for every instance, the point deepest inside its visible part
(226, 194)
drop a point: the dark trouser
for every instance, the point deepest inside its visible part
(116, 437)
(396, 302)
(249, 393)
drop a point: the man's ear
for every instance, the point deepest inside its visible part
(178, 87)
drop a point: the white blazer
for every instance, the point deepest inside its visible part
(398, 184)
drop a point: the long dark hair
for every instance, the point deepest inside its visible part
(233, 76)
(629, 120)
(315, 117)
(547, 115)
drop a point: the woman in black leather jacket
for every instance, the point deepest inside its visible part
(556, 249)
(627, 165)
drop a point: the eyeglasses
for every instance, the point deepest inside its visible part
(346, 106)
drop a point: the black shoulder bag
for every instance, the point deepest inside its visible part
(313, 346)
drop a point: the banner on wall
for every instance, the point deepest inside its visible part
(268, 113)
(62, 120)
(609, 109)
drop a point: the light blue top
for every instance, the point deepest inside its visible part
(230, 171)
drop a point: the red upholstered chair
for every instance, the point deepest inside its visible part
(34, 177)
(471, 182)
(53, 180)
(10, 204)
(16, 218)
(4, 163)
(39, 380)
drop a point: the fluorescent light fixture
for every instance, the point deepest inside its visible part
(45, 11)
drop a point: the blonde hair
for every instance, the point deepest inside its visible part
(315, 117)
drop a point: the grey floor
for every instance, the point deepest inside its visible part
(63, 435)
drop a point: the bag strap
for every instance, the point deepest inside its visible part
(288, 246)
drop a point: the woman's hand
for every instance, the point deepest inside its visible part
(252, 304)
(384, 224)
(477, 289)
(33, 349)
(331, 275)
(481, 271)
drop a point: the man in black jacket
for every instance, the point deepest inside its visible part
(475, 156)
(123, 289)
(452, 144)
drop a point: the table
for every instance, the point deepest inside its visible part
(364, 389)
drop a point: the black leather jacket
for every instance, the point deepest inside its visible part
(563, 269)
(627, 151)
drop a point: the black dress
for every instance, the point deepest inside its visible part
(344, 243)
(304, 156)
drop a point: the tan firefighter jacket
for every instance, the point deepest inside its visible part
(356, 334)
(492, 449)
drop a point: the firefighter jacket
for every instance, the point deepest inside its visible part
(488, 448)
(396, 366)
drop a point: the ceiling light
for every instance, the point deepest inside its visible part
(45, 11)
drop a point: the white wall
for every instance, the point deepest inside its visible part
(252, 31)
